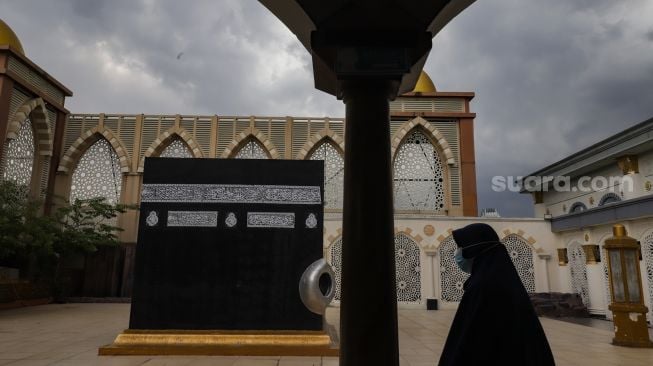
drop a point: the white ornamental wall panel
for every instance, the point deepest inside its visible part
(19, 152)
(578, 271)
(521, 255)
(418, 175)
(334, 173)
(408, 270)
(407, 265)
(335, 254)
(97, 174)
(606, 282)
(452, 278)
(251, 150)
(176, 149)
(647, 254)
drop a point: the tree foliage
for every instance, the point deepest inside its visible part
(78, 227)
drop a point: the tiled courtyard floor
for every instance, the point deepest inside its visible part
(70, 334)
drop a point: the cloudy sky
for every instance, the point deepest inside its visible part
(550, 76)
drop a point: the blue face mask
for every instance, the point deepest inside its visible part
(465, 264)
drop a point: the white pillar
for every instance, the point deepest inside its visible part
(544, 273)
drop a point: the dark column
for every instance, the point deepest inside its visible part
(368, 311)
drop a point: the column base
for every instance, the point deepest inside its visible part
(221, 343)
(634, 344)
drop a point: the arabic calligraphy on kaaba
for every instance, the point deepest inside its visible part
(232, 193)
(283, 220)
(192, 218)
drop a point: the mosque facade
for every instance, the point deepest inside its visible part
(57, 153)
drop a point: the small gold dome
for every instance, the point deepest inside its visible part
(424, 84)
(8, 37)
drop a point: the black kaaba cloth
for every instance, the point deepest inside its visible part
(222, 244)
(495, 323)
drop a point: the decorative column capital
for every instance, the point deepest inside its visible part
(592, 253)
(628, 164)
(563, 258)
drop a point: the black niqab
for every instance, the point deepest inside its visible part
(495, 323)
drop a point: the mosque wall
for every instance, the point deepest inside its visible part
(591, 278)
(135, 137)
(530, 242)
(104, 155)
(561, 203)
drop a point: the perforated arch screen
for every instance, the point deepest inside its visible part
(418, 175)
(97, 174)
(18, 161)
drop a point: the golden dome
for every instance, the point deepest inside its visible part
(8, 37)
(424, 84)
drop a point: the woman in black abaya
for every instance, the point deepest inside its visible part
(495, 323)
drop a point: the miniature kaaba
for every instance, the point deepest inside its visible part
(223, 246)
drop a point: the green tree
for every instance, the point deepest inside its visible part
(85, 225)
(24, 232)
(29, 238)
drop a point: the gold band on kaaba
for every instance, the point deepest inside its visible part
(227, 343)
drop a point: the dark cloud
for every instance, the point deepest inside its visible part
(551, 76)
(649, 35)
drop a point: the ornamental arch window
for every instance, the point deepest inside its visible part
(452, 278)
(577, 207)
(176, 149)
(521, 254)
(407, 266)
(18, 160)
(609, 198)
(97, 174)
(252, 149)
(578, 271)
(647, 254)
(408, 269)
(335, 260)
(334, 173)
(419, 178)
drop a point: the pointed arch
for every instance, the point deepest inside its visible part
(408, 270)
(70, 159)
(428, 129)
(409, 232)
(523, 236)
(322, 136)
(36, 111)
(164, 139)
(442, 238)
(578, 270)
(521, 254)
(421, 180)
(334, 166)
(607, 296)
(407, 263)
(334, 258)
(251, 133)
(97, 174)
(20, 156)
(452, 277)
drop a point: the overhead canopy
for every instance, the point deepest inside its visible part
(352, 39)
